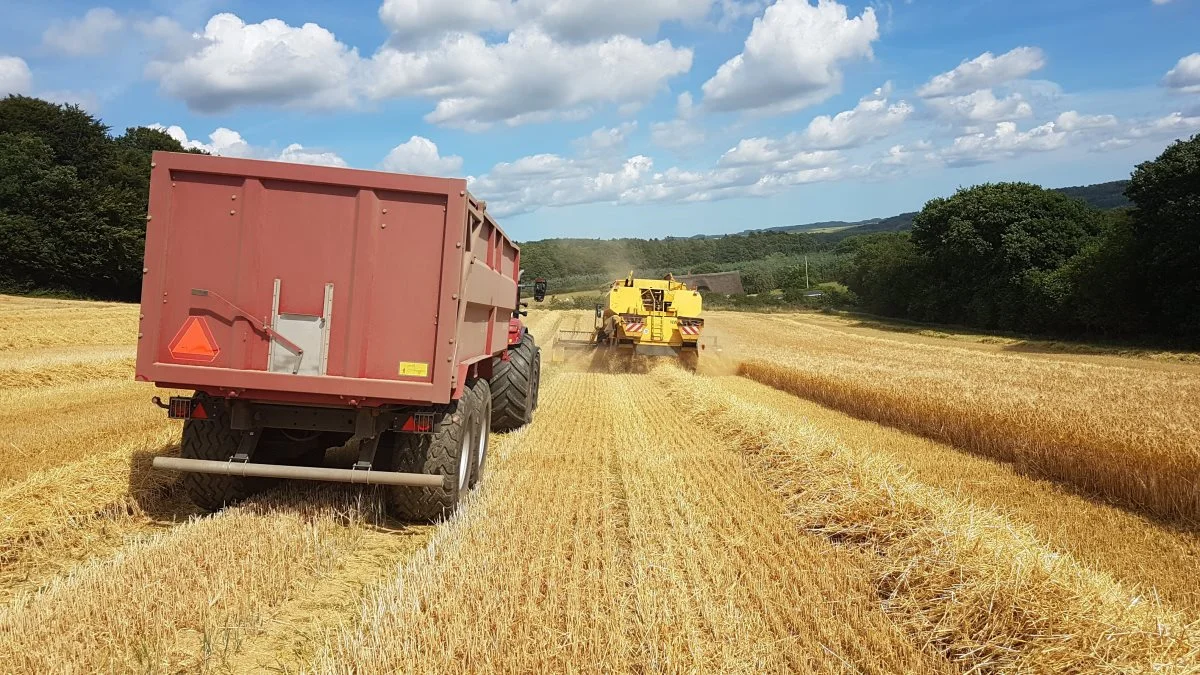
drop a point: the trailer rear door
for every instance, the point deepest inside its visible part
(273, 277)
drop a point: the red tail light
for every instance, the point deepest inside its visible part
(420, 423)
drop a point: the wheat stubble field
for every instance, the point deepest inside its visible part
(828, 497)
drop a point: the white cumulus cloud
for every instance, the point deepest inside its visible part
(732, 11)
(1185, 76)
(779, 154)
(871, 119)
(548, 180)
(419, 155)
(229, 143)
(1073, 121)
(580, 20)
(416, 20)
(984, 71)
(1003, 142)
(1176, 124)
(792, 57)
(528, 77)
(1112, 144)
(15, 77)
(222, 141)
(541, 181)
(233, 63)
(298, 154)
(90, 35)
(982, 106)
(473, 81)
(413, 21)
(905, 154)
(606, 140)
(544, 180)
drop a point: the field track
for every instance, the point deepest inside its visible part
(855, 500)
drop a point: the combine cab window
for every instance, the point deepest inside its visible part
(652, 300)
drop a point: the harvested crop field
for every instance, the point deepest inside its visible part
(825, 496)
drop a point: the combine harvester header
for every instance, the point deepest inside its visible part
(653, 317)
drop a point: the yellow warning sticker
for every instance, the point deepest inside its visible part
(410, 369)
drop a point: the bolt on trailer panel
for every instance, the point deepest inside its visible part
(318, 285)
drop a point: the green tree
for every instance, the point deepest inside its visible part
(130, 165)
(886, 272)
(1166, 237)
(39, 201)
(758, 278)
(72, 200)
(75, 137)
(990, 248)
(1105, 282)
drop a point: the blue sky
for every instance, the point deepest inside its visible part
(605, 118)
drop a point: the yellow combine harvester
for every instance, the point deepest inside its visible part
(655, 317)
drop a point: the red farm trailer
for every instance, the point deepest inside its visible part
(311, 308)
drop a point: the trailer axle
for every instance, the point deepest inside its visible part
(241, 469)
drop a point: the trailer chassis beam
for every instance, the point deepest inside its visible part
(246, 469)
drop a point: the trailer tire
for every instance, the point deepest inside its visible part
(515, 385)
(448, 452)
(214, 439)
(482, 390)
(537, 377)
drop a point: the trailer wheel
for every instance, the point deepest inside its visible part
(537, 376)
(483, 398)
(449, 452)
(514, 385)
(213, 439)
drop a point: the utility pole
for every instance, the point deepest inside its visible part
(806, 272)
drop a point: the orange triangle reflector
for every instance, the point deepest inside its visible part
(194, 342)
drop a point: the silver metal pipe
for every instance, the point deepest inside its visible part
(241, 469)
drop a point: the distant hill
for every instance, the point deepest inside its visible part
(1109, 195)
(822, 227)
(1101, 195)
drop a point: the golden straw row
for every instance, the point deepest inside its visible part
(959, 578)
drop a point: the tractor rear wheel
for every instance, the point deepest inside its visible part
(515, 385)
(214, 439)
(448, 452)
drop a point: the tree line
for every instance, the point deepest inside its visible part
(611, 258)
(72, 200)
(1014, 256)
